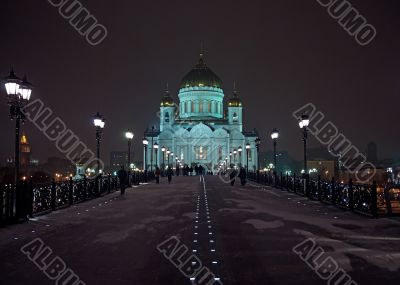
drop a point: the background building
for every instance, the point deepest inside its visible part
(118, 159)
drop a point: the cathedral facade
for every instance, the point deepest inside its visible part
(200, 129)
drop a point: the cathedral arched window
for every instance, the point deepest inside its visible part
(201, 152)
(193, 107)
(200, 106)
(209, 107)
(235, 117)
(167, 117)
(220, 153)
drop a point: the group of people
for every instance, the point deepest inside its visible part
(242, 175)
(169, 173)
(122, 175)
(189, 171)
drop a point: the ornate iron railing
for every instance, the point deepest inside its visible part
(362, 198)
(16, 203)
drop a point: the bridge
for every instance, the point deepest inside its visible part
(198, 230)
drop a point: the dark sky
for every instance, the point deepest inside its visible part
(282, 53)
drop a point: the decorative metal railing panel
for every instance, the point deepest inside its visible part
(41, 198)
(26, 200)
(366, 199)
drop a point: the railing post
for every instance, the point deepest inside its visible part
(71, 191)
(374, 200)
(53, 194)
(319, 188)
(84, 188)
(387, 198)
(18, 201)
(287, 181)
(9, 203)
(351, 195)
(333, 188)
(29, 199)
(306, 186)
(96, 186)
(109, 183)
(2, 196)
(294, 183)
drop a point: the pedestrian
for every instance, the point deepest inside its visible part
(232, 177)
(122, 176)
(190, 171)
(169, 174)
(157, 174)
(242, 176)
(201, 169)
(177, 170)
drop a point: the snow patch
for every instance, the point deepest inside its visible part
(263, 225)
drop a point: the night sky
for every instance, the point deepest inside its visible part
(281, 53)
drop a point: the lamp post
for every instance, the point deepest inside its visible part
(168, 153)
(129, 136)
(99, 124)
(155, 146)
(145, 145)
(226, 163)
(240, 150)
(230, 159)
(303, 124)
(234, 156)
(274, 137)
(18, 95)
(258, 143)
(172, 157)
(152, 147)
(163, 149)
(248, 147)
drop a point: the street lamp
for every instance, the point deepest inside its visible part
(234, 156)
(258, 143)
(129, 136)
(145, 145)
(274, 137)
(99, 124)
(18, 95)
(240, 155)
(168, 154)
(163, 149)
(152, 147)
(248, 147)
(303, 124)
(156, 152)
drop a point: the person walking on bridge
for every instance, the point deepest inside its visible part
(242, 176)
(122, 175)
(169, 174)
(157, 174)
(232, 176)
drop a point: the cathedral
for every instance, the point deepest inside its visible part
(200, 129)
